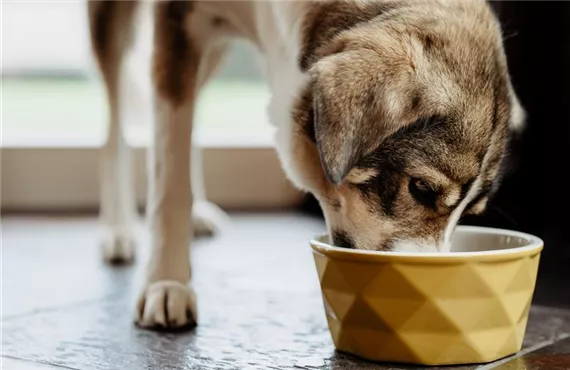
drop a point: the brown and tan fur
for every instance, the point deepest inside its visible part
(395, 114)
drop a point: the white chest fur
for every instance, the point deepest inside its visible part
(279, 32)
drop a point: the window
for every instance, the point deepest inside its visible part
(54, 118)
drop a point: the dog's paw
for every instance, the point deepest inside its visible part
(118, 246)
(207, 219)
(167, 304)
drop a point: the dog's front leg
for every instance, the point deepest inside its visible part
(167, 299)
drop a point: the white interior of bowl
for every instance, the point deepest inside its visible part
(476, 239)
(470, 240)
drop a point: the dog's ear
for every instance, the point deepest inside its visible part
(517, 128)
(336, 135)
(518, 116)
(356, 104)
(344, 114)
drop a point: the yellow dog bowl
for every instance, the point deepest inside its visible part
(467, 306)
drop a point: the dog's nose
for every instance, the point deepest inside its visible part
(342, 239)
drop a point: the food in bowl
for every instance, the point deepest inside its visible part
(469, 305)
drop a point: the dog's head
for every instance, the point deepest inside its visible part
(408, 114)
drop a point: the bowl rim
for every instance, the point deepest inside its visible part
(534, 246)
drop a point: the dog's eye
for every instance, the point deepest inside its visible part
(423, 192)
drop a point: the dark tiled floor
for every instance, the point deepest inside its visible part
(259, 304)
(553, 357)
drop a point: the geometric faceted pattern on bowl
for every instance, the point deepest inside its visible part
(409, 312)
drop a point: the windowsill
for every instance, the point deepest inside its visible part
(67, 179)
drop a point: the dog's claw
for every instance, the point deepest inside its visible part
(168, 305)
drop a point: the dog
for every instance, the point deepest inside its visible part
(395, 114)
